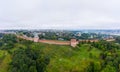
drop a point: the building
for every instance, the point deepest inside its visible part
(78, 34)
(36, 38)
(73, 42)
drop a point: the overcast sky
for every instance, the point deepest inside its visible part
(59, 14)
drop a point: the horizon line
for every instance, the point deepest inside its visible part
(59, 29)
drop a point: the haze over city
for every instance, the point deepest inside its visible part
(59, 14)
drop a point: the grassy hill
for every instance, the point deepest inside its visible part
(86, 57)
(62, 58)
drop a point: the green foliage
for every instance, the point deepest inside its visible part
(109, 55)
(18, 55)
(109, 68)
(1, 35)
(55, 36)
(28, 60)
(118, 39)
(9, 38)
(28, 34)
(8, 41)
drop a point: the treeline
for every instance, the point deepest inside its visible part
(109, 56)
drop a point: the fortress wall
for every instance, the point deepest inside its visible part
(72, 42)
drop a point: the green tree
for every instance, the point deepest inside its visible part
(109, 68)
(28, 60)
(32, 69)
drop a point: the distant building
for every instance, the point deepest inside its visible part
(73, 42)
(60, 39)
(78, 34)
(91, 36)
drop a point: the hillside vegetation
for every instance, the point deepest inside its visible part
(18, 55)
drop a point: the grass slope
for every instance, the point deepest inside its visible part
(62, 58)
(66, 58)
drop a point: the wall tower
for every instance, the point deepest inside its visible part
(73, 42)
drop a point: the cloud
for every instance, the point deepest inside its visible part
(59, 14)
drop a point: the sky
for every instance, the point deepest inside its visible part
(59, 14)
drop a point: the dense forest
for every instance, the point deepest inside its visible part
(18, 55)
